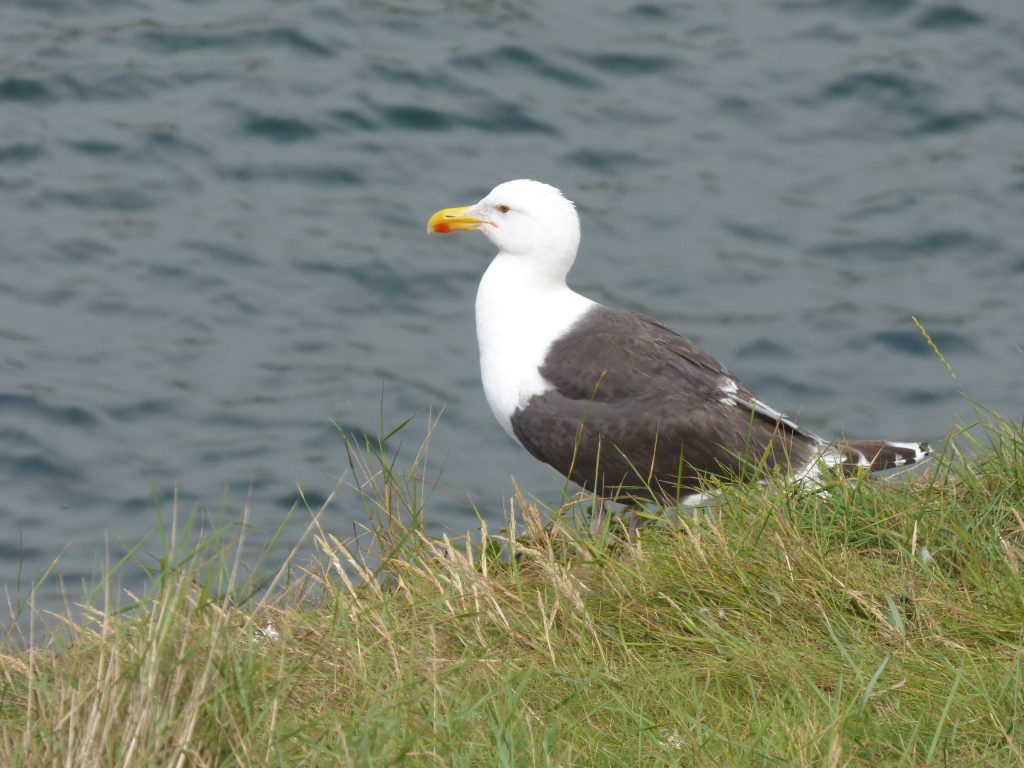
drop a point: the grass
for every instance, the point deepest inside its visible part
(880, 625)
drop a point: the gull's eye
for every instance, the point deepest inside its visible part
(504, 208)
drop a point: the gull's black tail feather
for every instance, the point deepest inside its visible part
(881, 454)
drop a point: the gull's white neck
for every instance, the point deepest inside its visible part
(520, 311)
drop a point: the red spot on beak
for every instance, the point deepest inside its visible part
(442, 227)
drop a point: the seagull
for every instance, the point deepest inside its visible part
(615, 401)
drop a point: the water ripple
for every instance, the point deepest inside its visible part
(492, 118)
(915, 396)
(20, 153)
(101, 149)
(122, 199)
(417, 118)
(928, 244)
(82, 251)
(628, 64)
(862, 8)
(797, 389)
(756, 233)
(896, 102)
(171, 41)
(652, 11)
(168, 143)
(948, 17)
(63, 415)
(604, 161)
(508, 117)
(889, 89)
(24, 90)
(38, 467)
(912, 343)
(18, 552)
(514, 57)
(951, 122)
(350, 118)
(222, 253)
(278, 128)
(145, 409)
(316, 175)
(766, 348)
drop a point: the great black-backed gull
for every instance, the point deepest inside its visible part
(612, 399)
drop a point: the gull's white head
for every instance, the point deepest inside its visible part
(527, 220)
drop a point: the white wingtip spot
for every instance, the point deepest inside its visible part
(729, 388)
(811, 471)
(697, 499)
(779, 416)
(921, 451)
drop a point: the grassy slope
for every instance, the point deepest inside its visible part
(881, 625)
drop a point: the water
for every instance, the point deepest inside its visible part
(213, 230)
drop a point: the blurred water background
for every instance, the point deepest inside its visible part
(213, 239)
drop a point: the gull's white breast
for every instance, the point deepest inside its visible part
(519, 315)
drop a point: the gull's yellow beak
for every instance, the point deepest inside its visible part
(452, 219)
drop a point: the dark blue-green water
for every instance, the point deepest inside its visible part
(212, 230)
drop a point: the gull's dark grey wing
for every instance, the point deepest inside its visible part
(635, 404)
